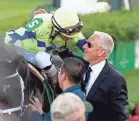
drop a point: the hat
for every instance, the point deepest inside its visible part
(67, 22)
(69, 107)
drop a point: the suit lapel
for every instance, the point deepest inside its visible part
(98, 81)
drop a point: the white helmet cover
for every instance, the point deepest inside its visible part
(66, 21)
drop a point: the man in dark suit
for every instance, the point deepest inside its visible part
(105, 87)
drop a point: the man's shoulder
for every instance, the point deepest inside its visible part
(113, 70)
(76, 89)
(114, 74)
(79, 93)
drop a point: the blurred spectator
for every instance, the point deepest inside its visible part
(69, 107)
(70, 75)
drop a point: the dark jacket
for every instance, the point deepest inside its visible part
(108, 95)
(76, 89)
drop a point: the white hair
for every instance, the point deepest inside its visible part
(106, 42)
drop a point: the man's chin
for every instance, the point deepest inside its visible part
(85, 58)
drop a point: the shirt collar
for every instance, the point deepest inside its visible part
(98, 65)
(72, 88)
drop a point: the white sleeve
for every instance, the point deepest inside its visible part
(43, 59)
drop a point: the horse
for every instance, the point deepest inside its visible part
(36, 85)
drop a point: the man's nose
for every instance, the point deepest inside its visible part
(85, 46)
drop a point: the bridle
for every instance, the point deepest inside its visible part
(19, 108)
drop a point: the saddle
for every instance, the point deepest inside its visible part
(43, 78)
(36, 72)
(36, 83)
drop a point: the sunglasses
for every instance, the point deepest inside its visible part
(89, 45)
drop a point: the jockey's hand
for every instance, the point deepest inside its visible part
(43, 59)
(37, 104)
(40, 11)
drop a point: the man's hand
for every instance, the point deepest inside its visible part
(31, 107)
(36, 103)
(40, 11)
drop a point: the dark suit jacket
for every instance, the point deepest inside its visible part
(108, 95)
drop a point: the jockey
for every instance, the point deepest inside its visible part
(44, 33)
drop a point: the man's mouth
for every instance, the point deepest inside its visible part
(85, 51)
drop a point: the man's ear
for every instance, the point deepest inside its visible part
(101, 52)
(63, 76)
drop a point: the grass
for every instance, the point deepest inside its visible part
(14, 13)
(132, 78)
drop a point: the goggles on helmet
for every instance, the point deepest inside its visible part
(70, 31)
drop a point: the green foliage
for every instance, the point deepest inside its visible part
(15, 13)
(122, 26)
(10, 23)
(129, 108)
(132, 79)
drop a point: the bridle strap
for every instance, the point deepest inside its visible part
(9, 111)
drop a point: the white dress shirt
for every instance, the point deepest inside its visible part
(96, 69)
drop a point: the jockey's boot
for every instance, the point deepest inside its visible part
(51, 74)
(44, 62)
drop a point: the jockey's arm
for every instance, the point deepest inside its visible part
(40, 11)
(79, 40)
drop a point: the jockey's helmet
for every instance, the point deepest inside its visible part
(67, 22)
